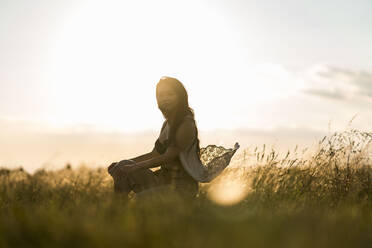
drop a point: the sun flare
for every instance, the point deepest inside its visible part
(109, 57)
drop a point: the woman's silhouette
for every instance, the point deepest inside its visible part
(176, 151)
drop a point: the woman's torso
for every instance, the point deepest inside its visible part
(173, 172)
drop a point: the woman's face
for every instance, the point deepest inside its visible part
(167, 99)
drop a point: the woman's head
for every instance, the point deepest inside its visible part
(173, 102)
(171, 96)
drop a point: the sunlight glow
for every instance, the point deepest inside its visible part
(229, 191)
(108, 58)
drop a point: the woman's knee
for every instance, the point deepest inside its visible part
(114, 168)
(111, 168)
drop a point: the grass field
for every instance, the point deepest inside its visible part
(323, 199)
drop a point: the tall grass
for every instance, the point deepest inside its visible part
(318, 198)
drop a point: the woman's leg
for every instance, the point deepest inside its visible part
(137, 181)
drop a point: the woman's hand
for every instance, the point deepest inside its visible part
(125, 162)
(124, 166)
(127, 168)
(116, 166)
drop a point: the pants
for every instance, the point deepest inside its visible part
(146, 179)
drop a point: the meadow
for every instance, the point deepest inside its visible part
(319, 198)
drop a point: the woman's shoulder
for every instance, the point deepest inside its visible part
(186, 134)
(188, 125)
(189, 118)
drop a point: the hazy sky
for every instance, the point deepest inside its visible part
(257, 65)
(244, 63)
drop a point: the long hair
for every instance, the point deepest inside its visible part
(182, 108)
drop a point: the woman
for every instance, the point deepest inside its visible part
(176, 151)
(178, 133)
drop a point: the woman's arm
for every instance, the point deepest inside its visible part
(126, 162)
(184, 137)
(146, 156)
(170, 154)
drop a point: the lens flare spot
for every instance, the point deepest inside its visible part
(228, 192)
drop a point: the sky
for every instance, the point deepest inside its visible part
(70, 68)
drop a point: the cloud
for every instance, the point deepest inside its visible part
(338, 83)
(335, 94)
